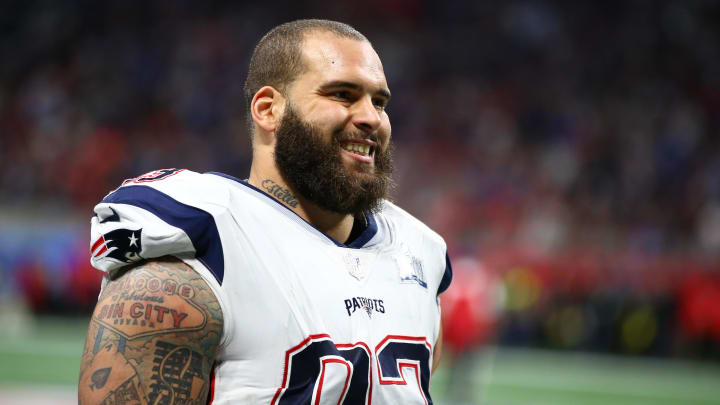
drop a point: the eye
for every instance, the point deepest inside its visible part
(380, 103)
(341, 95)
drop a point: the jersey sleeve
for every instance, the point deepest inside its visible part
(146, 220)
(169, 212)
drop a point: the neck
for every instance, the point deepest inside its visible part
(337, 226)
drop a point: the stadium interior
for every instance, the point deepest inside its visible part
(568, 152)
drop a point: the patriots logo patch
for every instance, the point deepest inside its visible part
(121, 244)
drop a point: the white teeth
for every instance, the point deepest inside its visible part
(357, 148)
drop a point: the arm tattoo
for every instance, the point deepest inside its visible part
(152, 338)
(279, 192)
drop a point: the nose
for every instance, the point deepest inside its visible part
(365, 116)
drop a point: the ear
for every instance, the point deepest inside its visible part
(267, 108)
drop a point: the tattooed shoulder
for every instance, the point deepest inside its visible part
(152, 338)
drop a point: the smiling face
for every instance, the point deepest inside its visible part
(333, 143)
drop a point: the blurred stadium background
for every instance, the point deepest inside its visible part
(569, 152)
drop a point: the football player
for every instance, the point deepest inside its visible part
(299, 285)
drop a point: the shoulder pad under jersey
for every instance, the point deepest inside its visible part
(165, 212)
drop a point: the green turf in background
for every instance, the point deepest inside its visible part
(48, 353)
(533, 377)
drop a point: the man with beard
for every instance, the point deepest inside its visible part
(299, 285)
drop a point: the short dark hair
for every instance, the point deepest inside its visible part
(276, 60)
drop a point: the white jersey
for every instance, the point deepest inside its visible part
(307, 319)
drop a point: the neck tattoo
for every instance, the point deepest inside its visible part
(279, 192)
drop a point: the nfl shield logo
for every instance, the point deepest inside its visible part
(352, 264)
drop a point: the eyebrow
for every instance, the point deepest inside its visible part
(353, 86)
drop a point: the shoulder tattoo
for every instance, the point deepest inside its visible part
(152, 338)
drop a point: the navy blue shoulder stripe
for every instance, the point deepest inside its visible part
(198, 224)
(447, 276)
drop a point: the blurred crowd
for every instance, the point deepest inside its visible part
(571, 149)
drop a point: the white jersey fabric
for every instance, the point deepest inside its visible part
(307, 319)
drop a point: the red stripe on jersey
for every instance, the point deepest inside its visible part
(211, 394)
(101, 251)
(289, 353)
(97, 244)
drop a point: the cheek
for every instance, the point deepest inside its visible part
(385, 129)
(327, 115)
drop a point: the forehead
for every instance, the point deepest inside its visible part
(328, 57)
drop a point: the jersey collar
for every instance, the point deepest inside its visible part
(359, 242)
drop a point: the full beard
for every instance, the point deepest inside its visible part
(314, 169)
